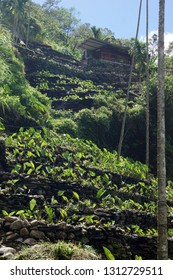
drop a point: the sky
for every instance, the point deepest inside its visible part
(120, 16)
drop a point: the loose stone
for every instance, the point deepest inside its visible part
(37, 234)
(17, 225)
(24, 232)
(34, 223)
(30, 241)
(11, 218)
(12, 237)
(6, 256)
(4, 250)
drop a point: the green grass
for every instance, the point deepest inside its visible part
(59, 251)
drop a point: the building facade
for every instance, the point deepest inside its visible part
(95, 49)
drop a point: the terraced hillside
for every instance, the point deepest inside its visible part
(88, 102)
(77, 193)
(57, 187)
(69, 84)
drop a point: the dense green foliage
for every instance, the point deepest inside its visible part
(31, 145)
(61, 121)
(19, 102)
(114, 185)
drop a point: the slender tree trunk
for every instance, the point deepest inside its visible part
(125, 111)
(15, 23)
(128, 90)
(162, 245)
(28, 24)
(147, 95)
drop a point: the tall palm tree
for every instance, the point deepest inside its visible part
(162, 245)
(147, 92)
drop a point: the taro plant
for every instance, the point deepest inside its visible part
(131, 204)
(89, 219)
(111, 202)
(50, 213)
(32, 212)
(136, 229)
(5, 213)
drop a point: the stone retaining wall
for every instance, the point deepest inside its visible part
(15, 232)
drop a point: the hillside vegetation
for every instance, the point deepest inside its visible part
(60, 177)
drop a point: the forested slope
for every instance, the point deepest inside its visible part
(59, 174)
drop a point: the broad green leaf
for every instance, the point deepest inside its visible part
(105, 178)
(32, 164)
(30, 154)
(31, 142)
(14, 181)
(5, 213)
(29, 171)
(32, 204)
(43, 144)
(108, 254)
(76, 195)
(67, 155)
(100, 193)
(20, 212)
(138, 257)
(65, 198)
(44, 173)
(11, 213)
(38, 153)
(49, 212)
(60, 193)
(39, 167)
(63, 213)
(81, 219)
(89, 219)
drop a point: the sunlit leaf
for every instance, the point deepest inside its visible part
(108, 254)
(100, 193)
(60, 193)
(76, 195)
(32, 204)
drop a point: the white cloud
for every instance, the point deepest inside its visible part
(168, 37)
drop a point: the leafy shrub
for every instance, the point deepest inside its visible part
(65, 125)
(18, 100)
(94, 125)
